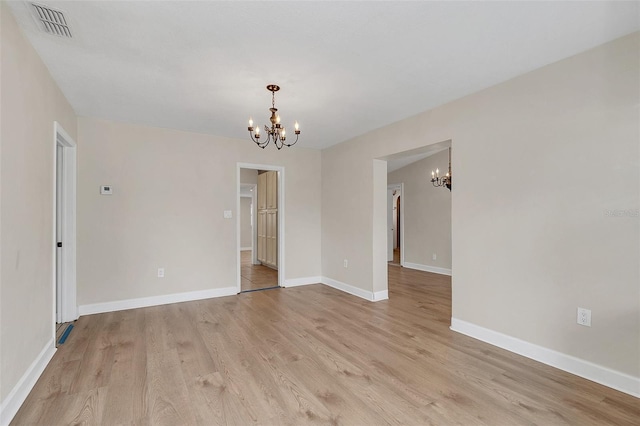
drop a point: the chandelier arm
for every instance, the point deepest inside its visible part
(257, 141)
(294, 142)
(277, 139)
(266, 141)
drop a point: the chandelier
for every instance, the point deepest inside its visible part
(445, 180)
(277, 132)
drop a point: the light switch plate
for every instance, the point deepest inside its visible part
(227, 214)
(106, 190)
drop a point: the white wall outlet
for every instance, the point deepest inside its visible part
(106, 189)
(228, 214)
(433, 256)
(346, 263)
(584, 317)
(160, 272)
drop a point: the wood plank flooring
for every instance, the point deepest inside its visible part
(306, 355)
(396, 258)
(254, 277)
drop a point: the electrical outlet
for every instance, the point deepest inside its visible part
(584, 317)
(433, 256)
(160, 272)
(346, 263)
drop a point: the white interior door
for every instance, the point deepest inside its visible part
(390, 225)
(63, 279)
(59, 204)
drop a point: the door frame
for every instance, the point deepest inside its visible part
(254, 224)
(250, 197)
(254, 236)
(68, 302)
(281, 216)
(399, 187)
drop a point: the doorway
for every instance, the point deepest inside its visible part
(260, 265)
(389, 171)
(395, 224)
(64, 230)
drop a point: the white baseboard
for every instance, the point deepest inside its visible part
(295, 282)
(594, 372)
(380, 295)
(20, 391)
(367, 295)
(143, 302)
(427, 268)
(246, 248)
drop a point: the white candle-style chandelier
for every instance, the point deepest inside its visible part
(277, 132)
(444, 181)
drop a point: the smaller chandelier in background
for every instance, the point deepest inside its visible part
(277, 132)
(445, 180)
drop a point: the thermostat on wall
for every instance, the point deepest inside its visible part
(106, 190)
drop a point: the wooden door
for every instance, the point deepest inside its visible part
(262, 191)
(272, 238)
(262, 236)
(272, 190)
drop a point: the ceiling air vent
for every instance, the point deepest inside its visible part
(51, 21)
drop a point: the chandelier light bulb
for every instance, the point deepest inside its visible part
(437, 171)
(250, 122)
(297, 126)
(257, 130)
(278, 119)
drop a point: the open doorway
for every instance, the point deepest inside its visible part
(395, 224)
(418, 219)
(64, 238)
(260, 227)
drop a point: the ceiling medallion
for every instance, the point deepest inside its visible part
(277, 132)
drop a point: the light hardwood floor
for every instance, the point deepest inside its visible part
(307, 355)
(254, 277)
(396, 257)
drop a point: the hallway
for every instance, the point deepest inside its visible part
(254, 277)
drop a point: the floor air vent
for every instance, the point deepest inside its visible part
(51, 21)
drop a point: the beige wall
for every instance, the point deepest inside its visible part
(170, 191)
(249, 176)
(246, 235)
(30, 103)
(427, 212)
(538, 161)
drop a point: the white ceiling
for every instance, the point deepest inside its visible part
(403, 159)
(345, 68)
